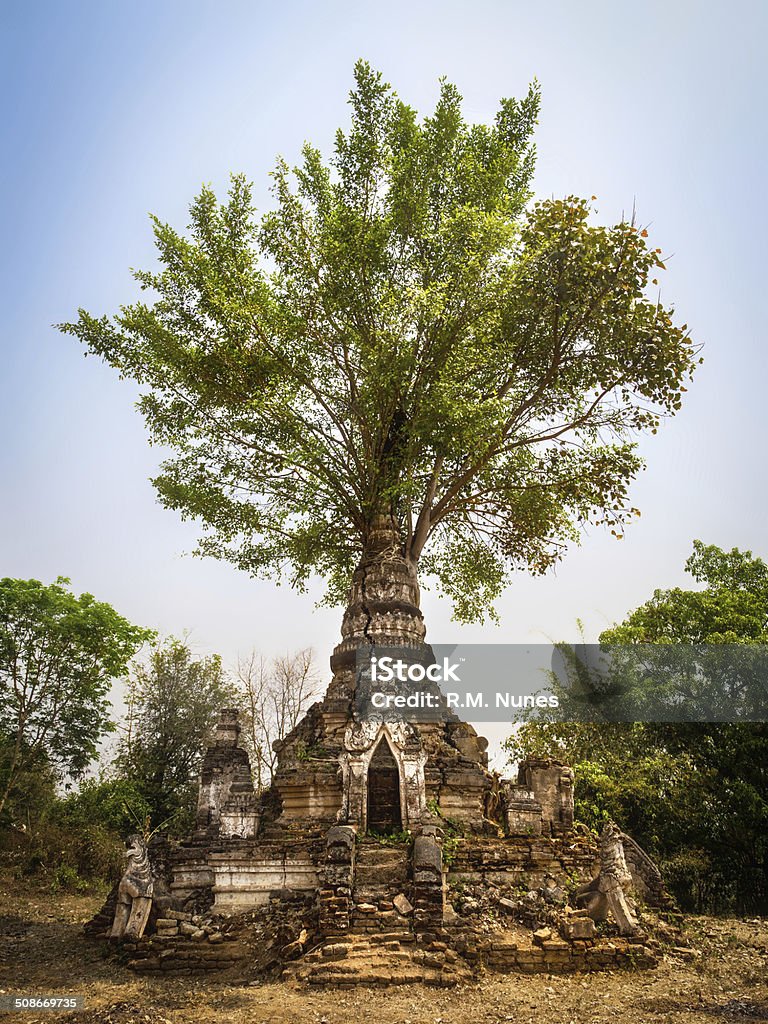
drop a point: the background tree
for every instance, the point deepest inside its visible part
(401, 355)
(114, 803)
(58, 656)
(174, 700)
(732, 606)
(275, 696)
(694, 794)
(34, 789)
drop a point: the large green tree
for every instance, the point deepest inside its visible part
(402, 353)
(695, 794)
(58, 656)
(174, 699)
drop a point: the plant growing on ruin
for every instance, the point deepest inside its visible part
(396, 838)
(450, 849)
(402, 337)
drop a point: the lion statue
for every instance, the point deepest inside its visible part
(610, 890)
(134, 893)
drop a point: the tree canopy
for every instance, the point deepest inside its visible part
(174, 700)
(58, 656)
(731, 607)
(402, 333)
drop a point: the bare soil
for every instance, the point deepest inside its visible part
(43, 951)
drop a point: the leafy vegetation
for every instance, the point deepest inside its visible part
(694, 794)
(395, 838)
(174, 701)
(58, 656)
(73, 837)
(404, 335)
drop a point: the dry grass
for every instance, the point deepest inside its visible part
(43, 951)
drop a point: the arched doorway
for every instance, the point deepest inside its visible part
(384, 815)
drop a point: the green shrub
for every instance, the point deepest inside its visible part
(90, 853)
(389, 838)
(450, 848)
(66, 879)
(113, 804)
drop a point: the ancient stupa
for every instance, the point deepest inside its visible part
(377, 774)
(392, 771)
(380, 826)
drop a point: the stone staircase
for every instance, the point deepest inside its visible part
(381, 874)
(387, 958)
(380, 869)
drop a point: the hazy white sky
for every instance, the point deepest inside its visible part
(113, 110)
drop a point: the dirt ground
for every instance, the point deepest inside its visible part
(42, 951)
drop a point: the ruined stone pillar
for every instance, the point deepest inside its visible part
(551, 783)
(226, 772)
(335, 895)
(428, 891)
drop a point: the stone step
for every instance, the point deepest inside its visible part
(358, 962)
(371, 887)
(392, 936)
(380, 871)
(373, 894)
(382, 858)
(380, 879)
(376, 853)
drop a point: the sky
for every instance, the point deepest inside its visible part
(112, 111)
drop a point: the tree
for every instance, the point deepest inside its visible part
(276, 695)
(695, 794)
(403, 366)
(114, 804)
(174, 700)
(732, 607)
(58, 656)
(33, 791)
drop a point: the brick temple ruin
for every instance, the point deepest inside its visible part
(386, 855)
(353, 787)
(390, 847)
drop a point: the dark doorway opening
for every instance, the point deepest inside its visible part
(384, 814)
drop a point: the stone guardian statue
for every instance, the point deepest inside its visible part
(609, 891)
(134, 893)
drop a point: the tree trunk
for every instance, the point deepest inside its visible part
(13, 766)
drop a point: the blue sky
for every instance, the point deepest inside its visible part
(112, 110)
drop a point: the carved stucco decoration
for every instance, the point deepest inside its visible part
(361, 740)
(362, 736)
